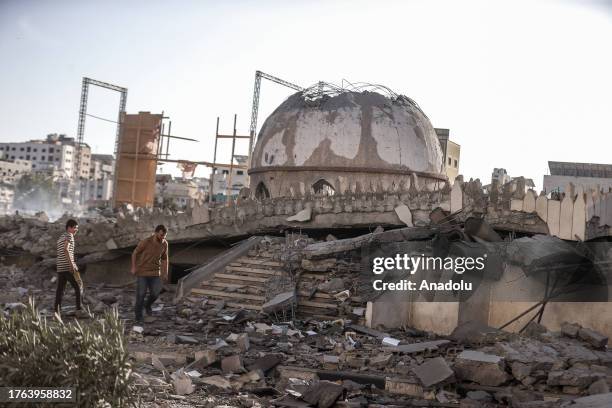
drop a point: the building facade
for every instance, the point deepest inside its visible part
(178, 193)
(589, 176)
(451, 152)
(501, 176)
(12, 170)
(55, 155)
(224, 184)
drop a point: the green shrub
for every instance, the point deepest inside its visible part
(92, 358)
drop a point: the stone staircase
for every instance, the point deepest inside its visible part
(244, 283)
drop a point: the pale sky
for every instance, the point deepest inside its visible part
(517, 83)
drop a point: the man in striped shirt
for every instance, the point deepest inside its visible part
(67, 270)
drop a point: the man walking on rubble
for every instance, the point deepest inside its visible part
(67, 270)
(149, 264)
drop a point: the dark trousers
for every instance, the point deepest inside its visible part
(62, 278)
(154, 284)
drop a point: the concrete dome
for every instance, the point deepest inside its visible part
(349, 132)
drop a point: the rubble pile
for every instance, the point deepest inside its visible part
(207, 353)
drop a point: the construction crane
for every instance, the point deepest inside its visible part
(255, 109)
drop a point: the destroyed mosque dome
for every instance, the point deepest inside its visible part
(358, 136)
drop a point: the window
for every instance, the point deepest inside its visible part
(323, 187)
(28, 149)
(455, 163)
(27, 157)
(33, 166)
(42, 158)
(50, 158)
(13, 149)
(12, 157)
(35, 150)
(43, 150)
(261, 192)
(50, 150)
(33, 157)
(240, 172)
(21, 149)
(1, 148)
(225, 171)
(449, 161)
(20, 157)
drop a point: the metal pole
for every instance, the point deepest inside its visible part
(212, 174)
(229, 183)
(168, 139)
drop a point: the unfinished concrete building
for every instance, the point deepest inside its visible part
(344, 141)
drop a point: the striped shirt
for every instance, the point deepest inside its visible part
(65, 263)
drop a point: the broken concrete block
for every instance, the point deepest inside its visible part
(592, 337)
(520, 370)
(403, 386)
(576, 376)
(599, 387)
(433, 371)
(534, 329)
(204, 358)
(279, 302)
(484, 369)
(404, 214)
(380, 361)
(318, 265)
(251, 376)
(232, 364)
(111, 244)
(570, 329)
(330, 362)
(331, 286)
(243, 342)
(475, 333)
(156, 362)
(182, 384)
(594, 401)
(267, 362)
(262, 328)
(302, 216)
(217, 381)
(322, 394)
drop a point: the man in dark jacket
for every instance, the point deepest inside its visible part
(150, 265)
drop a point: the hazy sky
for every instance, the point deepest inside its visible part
(517, 83)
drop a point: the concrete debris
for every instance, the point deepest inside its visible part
(302, 216)
(319, 265)
(404, 214)
(232, 364)
(570, 329)
(182, 383)
(279, 302)
(217, 381)
(231, 345)
(592, 337)
(323, 394)
(481, 368)
(433, 371)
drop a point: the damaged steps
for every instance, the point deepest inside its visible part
(242, 285)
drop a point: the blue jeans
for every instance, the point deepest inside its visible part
(154, 284)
